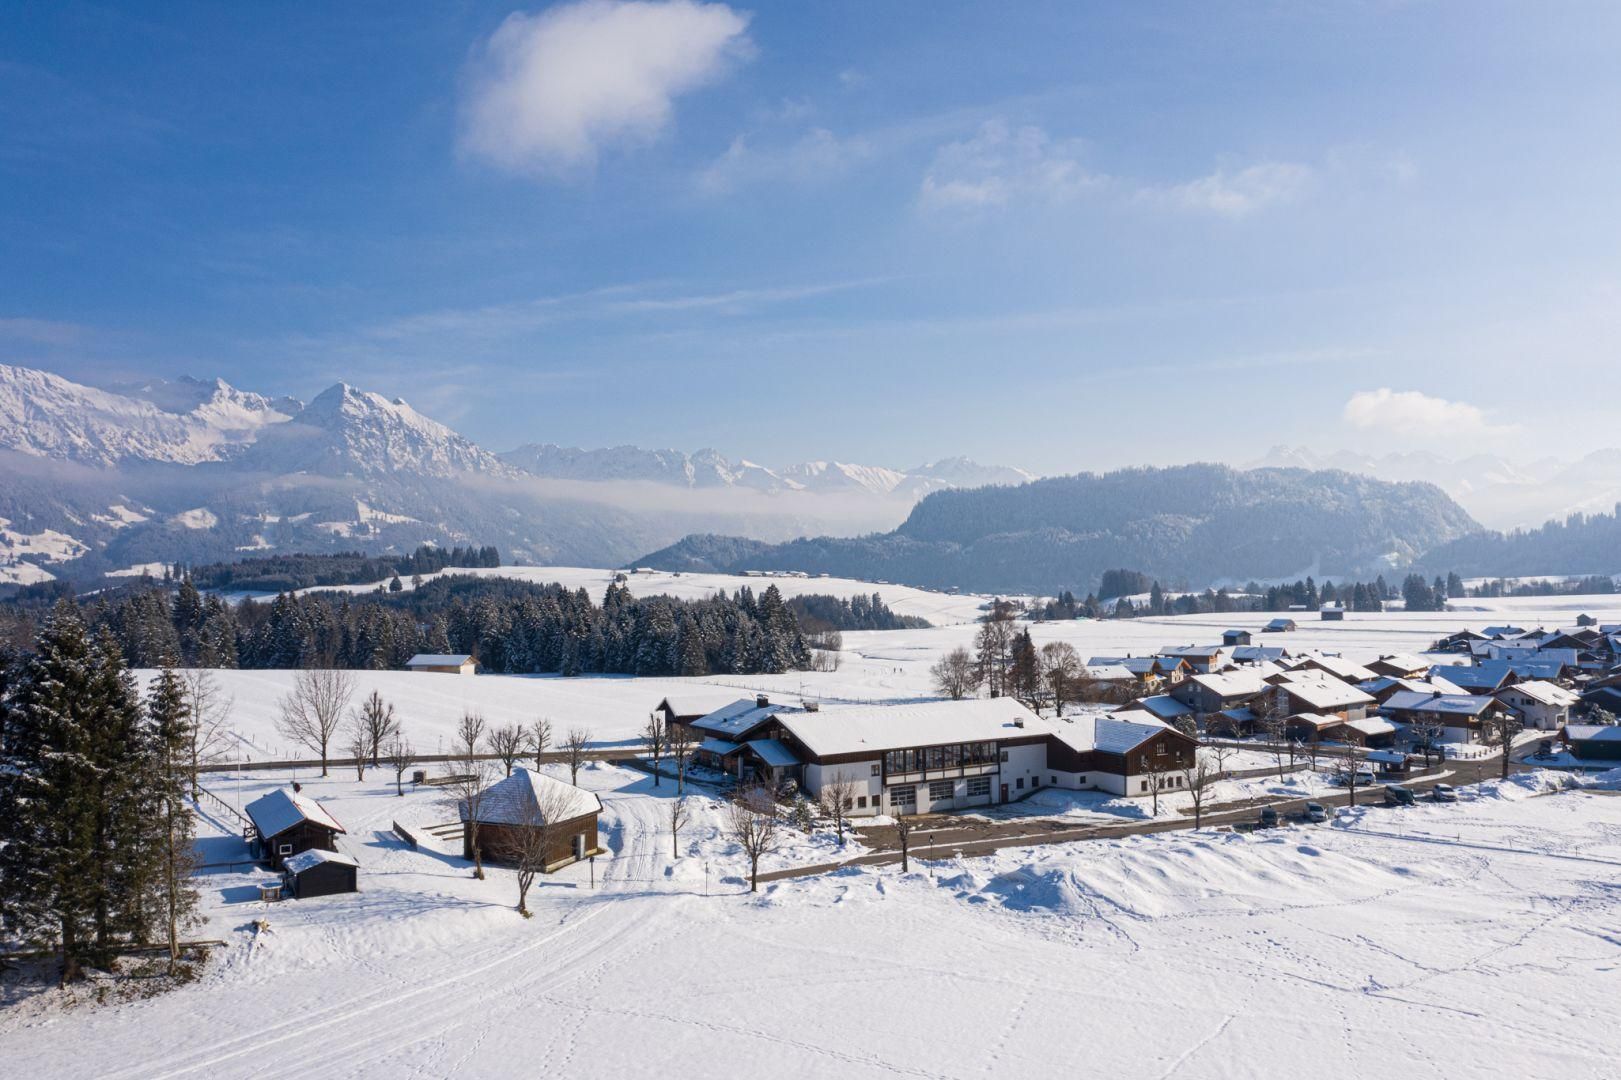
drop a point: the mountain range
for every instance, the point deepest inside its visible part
(1187, 525)
(103, 480)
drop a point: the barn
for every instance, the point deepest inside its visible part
(320, 873)
(444, 663)
(288, 822)
(510, 811)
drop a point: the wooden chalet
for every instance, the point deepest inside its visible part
(527, 802)
(286, 823)
(443, 663)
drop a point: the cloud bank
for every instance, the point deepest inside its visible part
(1416, 415)
(549, 92)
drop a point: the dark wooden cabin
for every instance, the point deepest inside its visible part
(288, 822)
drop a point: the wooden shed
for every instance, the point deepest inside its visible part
(444, 663)
(288, 822)
(320, 873)
(527, 802)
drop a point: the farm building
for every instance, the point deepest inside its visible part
(320, 873)
(532, 808)
(1594, 742)
(288, 822)
(1235, 637)
(443, 663)
(1279, 626)
(1333, 613)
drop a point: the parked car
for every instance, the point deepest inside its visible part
(1364, 778)
(1317, 812)
(1396, 795)
(1444, 793)
(1268, 818)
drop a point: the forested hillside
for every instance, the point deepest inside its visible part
(1195, 524)
(1581, 544)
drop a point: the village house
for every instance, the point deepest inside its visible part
(1251, 655)
(1456, 718)
(1164, 708)
(1207, 694)
(320, 873)
(443, 663)
(288, 822)
(1381, 689)
(513, 810)
(1337, 666)
(1308, 692)
(1486, 679)
(1400, 666)
(1544, 706)
(1201, 659)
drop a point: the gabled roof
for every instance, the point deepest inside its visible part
(694, 703)
(1544, 693)
(1315, 720)
(1370, 725)
(1335, 665)
(1164, 706)
(1256, 654)
(1231, 684)
(527, 795)
(276, 812)
(1326, 693)
(434, 659)
(304, 860)
(736, 720)
(1108, 673)
(1593, 732)
(1403, 662)
(855, 729)
(1186, 652)
(1477, 678)
(1447, 704)
(716, 745)
(1108, 734)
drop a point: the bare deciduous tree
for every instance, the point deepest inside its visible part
(1426, 733)
(311, 713)
(508, 742)
(210, 709)
(1503, 727)
(1198, 776)
(468, 774)
(574, 746)
(682, 744)
(375, 720)
(903, 833)
(1220, 755)
(837, 798)
(751, 820)
(355, 746)
(1350, 766)
(679, 813)
(1060, 667)
(535, 835)
(1272, 717)
(401, 755)
(540, 739)
(1154, 769)
(954, 674)
(655, 737)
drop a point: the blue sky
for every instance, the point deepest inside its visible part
(1057, 235)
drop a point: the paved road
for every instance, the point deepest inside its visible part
(944, 836)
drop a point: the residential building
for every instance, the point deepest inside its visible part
(517, 808)
(1544, 706)
(288, 822)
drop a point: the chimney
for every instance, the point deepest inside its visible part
(1435, 694)
(1018, 722)
(761, 701)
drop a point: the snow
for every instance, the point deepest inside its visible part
(519, 798)
(1468, 940)
(199, 517)
(154, 569)
(305, 860)
(274, 812)
(21, 553)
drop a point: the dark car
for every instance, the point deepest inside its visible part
(1444, 793)
(1396, 795)
(1316, 812)
(1268, 819)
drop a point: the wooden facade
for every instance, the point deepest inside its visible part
(569, 841)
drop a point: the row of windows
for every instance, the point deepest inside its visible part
(940, 757)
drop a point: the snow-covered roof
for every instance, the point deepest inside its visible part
(1192, 651)
(1404, 662)
(1232, 684)
(1455, 704)
(435, 659)
(772, 752)
(1470, 677)
(716, 745)
(1255, 654)
(739, 717)
(1336, 665)
(1593, 732)
(1108, 673)
(276, 812)
(1164, 706)
(315, 857)
(1387, 757)
(1315, 720)
(1371, 725)
(1111, 734)
(525, 795)
(1326, 693)
(1544, 693)
(855, 729)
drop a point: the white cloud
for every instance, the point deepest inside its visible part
(1417, 415)
(1002, 165)
(815, 155)
(1242, 192)
(549, 91)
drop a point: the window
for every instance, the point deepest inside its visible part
(1142, 785)
(876, 769)
(1019, 783)
(939, 789)
(979, 787)
(1035, 781)
(903, 796)
(1052, 779)
(284, 849)
(861, 802)
(1004, 755)
(1160, 749)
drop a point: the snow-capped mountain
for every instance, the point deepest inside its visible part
(347, 432)
(710, 469)
(186, 423)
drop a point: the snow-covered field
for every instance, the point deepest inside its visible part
(1475, 940)
(880, 665)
